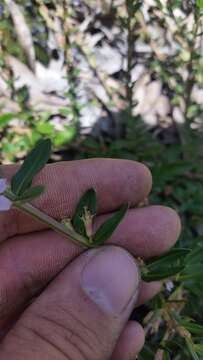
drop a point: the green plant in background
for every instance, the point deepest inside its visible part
(32, 123)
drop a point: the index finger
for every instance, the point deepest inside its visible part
(115, 181)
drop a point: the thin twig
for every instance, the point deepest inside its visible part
(46, 219)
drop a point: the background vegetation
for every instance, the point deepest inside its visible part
(120, 79)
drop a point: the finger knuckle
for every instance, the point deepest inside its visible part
(66, 334)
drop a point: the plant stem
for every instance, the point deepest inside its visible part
(46, 219)
(191, 72)
(130, 42)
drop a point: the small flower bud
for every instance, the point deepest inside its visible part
(87, 219)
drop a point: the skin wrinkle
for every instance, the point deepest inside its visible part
(70, 335)
(58, 191)
(67, 334)
(83, 326)
(46, 340)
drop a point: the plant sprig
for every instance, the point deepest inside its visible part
(183, 264)
(179, 263)
(80, 228)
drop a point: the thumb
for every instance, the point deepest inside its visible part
(81, 314)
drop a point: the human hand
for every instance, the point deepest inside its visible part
(59, 302)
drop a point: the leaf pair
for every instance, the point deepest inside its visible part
(83, 220)
(34, 162)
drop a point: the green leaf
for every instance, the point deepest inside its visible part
(167, 172)
(198, 348)
(176, 256)
(146, 353)
(65, 136)
(6, 118)
(195, 256)
(200, 4)
(45, 128)
(175, 344)
(192, 327)
(192, 272)
(167, 265)
(107, 228)
(159, 4)
(31, 193)
(166, 355)
(162, 274)
(88, 202)
(191, 349)
(33, 163)
(133, 6)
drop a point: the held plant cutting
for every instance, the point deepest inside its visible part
(80, 228)
(178, 262)
(182, 265)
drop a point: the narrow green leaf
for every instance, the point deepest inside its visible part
(174, 344)
(171, 258)
(199, 348)
(45, 128)
(166, 355)
(65, 136)
(192, 272)
(191, 349)
(6, 118)
(88, 202)
(167, 265)
(107, 228)
(147, 353)
(31, 193)
(33, 163)
(161, 274)
(200, 4)
(195, 256)
(192, 327)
